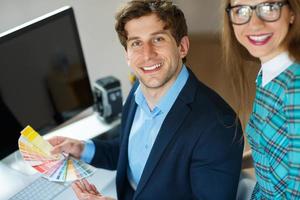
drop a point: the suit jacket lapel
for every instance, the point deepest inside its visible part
(127, 119)
(172, 122)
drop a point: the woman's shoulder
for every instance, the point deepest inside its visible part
(294, 69)
(291, 82)
(291, 75)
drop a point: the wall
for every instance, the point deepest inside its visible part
(203, 16)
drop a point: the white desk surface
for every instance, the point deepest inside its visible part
(15, 174)
(84, 129)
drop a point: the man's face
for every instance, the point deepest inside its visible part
(152, 52)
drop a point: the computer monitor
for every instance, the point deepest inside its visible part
(43, 76)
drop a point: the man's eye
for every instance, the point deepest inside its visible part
(135, 44)
(158, 39)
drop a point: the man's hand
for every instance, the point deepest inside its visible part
(67, 145)
(86, 191)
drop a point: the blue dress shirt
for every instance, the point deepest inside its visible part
(146, 126)
(88, 151)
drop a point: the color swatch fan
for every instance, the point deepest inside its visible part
(61, 167)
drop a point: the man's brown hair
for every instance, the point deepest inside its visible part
(169, 13)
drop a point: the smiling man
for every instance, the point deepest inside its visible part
(179, 139)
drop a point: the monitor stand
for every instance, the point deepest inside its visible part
(16, 162)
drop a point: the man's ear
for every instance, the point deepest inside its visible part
(184, 46)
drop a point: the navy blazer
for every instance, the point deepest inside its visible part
(197, 153)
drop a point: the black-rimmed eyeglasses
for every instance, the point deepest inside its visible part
(267, 11)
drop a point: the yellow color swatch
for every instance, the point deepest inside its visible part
(29, 133)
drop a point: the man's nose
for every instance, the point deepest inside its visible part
(149, 51)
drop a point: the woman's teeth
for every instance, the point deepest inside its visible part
(259, 38)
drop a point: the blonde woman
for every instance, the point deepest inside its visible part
(268, 31)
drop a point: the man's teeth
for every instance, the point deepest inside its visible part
(259, 38)
(152, 67)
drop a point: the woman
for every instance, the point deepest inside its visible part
(268, 31)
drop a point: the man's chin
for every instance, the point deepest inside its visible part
(152, 84)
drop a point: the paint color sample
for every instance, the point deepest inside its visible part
(61, 167)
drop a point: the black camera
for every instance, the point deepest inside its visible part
(108, 98)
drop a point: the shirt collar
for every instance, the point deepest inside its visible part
(274, 67)
(166, 102)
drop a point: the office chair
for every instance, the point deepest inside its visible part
(246, 185)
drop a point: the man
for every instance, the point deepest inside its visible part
(179, 139)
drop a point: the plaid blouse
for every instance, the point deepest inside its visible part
(273, 133)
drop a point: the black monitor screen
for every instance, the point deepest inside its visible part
(43, 76)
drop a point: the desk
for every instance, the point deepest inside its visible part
(15, 174)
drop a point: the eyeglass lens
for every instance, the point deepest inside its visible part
(268, 12)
